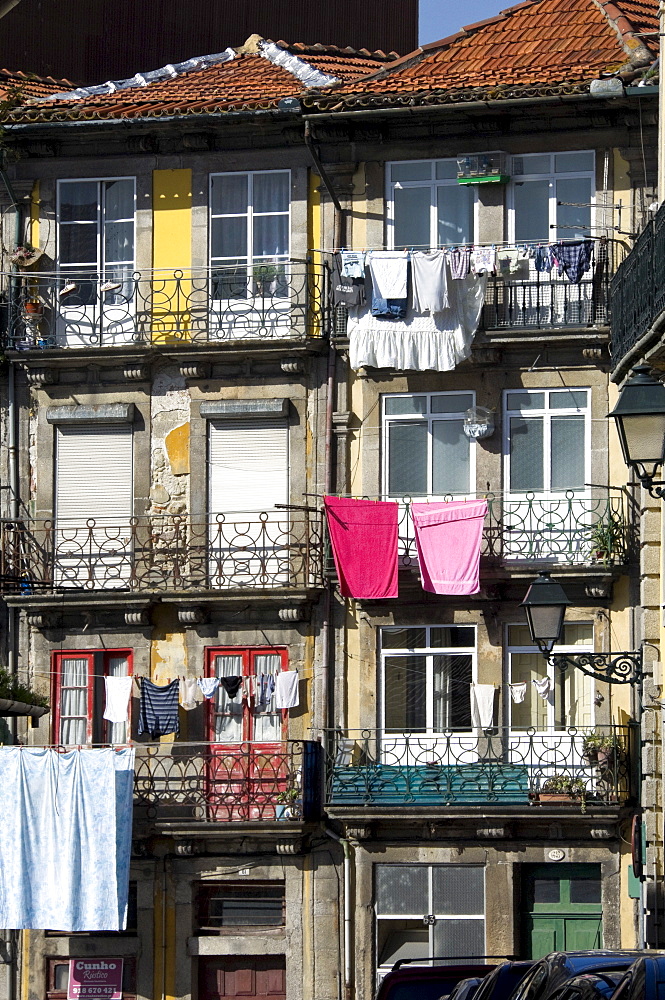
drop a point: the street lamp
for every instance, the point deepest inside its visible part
(640, 421)
(545, 607)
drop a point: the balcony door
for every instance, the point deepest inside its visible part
(547, 511)
(94, 298)
(92, 541)
(248, 476)
(249, 765)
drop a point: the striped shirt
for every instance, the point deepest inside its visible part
(158, 708)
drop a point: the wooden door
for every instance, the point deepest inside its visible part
(254, 977)
(563, 910)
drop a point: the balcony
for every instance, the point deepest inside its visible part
(182, 783)
(261, 551)
(638, 293)
(499, 767)
(588, 529)
(549, 301)
(202, 306)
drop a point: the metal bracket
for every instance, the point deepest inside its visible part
(613, 668)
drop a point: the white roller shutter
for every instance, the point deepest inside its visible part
(94, 473)
(248, 465)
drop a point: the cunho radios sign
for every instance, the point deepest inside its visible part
(95, 979)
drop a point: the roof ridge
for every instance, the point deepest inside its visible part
(638, 53)
(318, 48)
(308, 75)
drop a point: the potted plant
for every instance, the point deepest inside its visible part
(286, 807)
(33, 307)
(602, 750)
(24, 255)
(265, 276)
(606, 539)
(563, 788)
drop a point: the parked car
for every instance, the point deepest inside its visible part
(465, 989)
(410, 981)
(554, 969)
(590, 986)
(502, 981)
(645, 980)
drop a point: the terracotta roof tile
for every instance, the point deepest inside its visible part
(27, 85)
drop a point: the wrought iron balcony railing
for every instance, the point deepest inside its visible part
(224, 783)
(505, 767)
(542, 300)
(75, 308)
(249, 551)
(637, 293)
(590, 527)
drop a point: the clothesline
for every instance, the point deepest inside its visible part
(503, 244)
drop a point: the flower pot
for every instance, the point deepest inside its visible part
(33, 308)
(281, 810)
(557, 797)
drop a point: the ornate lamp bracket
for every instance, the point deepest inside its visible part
(613, 668)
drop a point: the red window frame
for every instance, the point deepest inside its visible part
(98, 665)
(249, 654)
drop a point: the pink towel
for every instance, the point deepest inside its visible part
(364, 543)
(448, 537)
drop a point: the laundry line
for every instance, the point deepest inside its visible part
(499, 244)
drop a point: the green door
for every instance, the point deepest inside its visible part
(562, 908)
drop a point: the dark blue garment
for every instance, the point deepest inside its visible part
(158, 708)
(543, 259)
(574, 259)
(388, 308)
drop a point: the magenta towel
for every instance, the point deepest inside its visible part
(363, 534)
(448, 537)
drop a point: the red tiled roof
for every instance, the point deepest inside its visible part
(27, 85)
(538, 42)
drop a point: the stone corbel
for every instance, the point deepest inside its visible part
(198, 369)
(494, 832)
(290, 845)
(37, 377)
(187, 848)
(293, 613)
(292, 366)
(362, 831)
(42, 619)
(136, 373)
(191, 615)
(602, 832)
(599, 591)
(138, 616)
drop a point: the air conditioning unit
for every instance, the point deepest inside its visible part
(483, 168)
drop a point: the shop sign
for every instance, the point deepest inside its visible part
(95, 979)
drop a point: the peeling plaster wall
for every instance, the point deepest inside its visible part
(169, 452)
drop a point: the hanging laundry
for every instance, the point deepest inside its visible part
(544, 259)
(484, 260)
(188, 689)
(118, 692)
(482, 706)
(518, 692)
(429, 281)
(448, 537)
(158, 708)
(65, 838)
(208, 686)
(389, 271)
(363, 535)
(265, 689)
(437, 342)
(231, 684)
(574, 259)
(353, 263)
(543, 687)
(512, 263)
(459, 261)
(286, 689)
(346, 291)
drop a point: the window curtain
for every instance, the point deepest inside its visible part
(116, 732)
(73, 701)
(267, 720)
(228, 711)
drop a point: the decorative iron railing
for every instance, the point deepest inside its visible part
(494, 767)
(227, 782)
(258, 551)
(637, 292)
(581, 528)
(542, 300)
(264, 301)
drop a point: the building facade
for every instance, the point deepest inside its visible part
(182, 391)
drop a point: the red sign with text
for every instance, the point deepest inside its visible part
(95, 979)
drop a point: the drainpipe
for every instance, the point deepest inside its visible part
(348, 912)
(340, 215)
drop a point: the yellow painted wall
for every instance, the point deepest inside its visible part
(314, 238)
(171, 251)
(34, 215)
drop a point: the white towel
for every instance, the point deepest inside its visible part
(429, 276)
(286, 689)
(389, 270)
(188, 689)
(482, 705)
(208, 686)
(118, 690)
(543, 687)
(518, 691)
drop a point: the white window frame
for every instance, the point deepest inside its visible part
(382, 970)
(101, 262)
(429, 418)
(546, 413)
(248, 216)
(551, 670)
(429, 652)
(552, 175)
(433, 184)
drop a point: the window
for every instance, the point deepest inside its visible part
(427, 676)
(250, 233)
(96, 238)
(570, 698)
(426, 452)
(426, 205)
(239, 904)
(451, 897)
(79, 696)
(547, 440)
(250, 714)
(552, 196)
